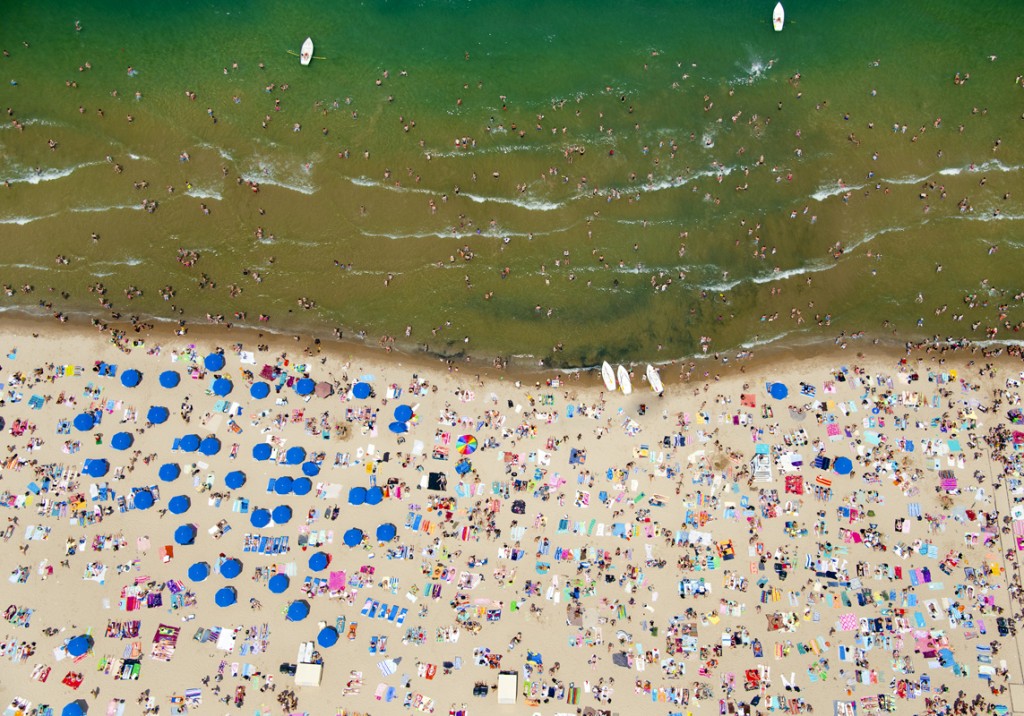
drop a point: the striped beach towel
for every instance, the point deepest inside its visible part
(823, 481)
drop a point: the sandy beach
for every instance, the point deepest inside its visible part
(838, 535)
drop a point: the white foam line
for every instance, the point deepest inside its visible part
(530, 204)
(991, 165)
(772, 277)
(97, 209)
(264, 179)
(22, 220)
(33, 177)
(201, 193)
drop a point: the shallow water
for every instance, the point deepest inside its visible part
(660, 143)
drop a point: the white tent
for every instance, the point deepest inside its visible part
(308, 674)
(508, 687)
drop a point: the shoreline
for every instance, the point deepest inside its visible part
(727, 363)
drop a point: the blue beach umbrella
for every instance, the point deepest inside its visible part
(305, 386)
(283, 485)
(295, 455)
(297, 611)
(131, 378)
(185, 535)
(84, 422)
(778, 390)
(310, 469)
(234, 479)
(158, 414)
(398, 428)
(259, 390)
(222, 386)
(230, 568)
(97, 467)
(374, 495)
(259, 518)
(199, 571)
(302, 486)
(143, 500)
(361, 390)
(353, 536)
(386, 532)
(169, 379)
(357, 496)
(278, 583)
(225, 596)
(179, 504)
(843, 465)
(318, 561)
(262, 451)
(214, 361)
(78, 707)
(79, 645)
(327, 637)
(189, 443)
(169, 471)
(403, 413)
(122, 441)
(282, 514)
(209, 446)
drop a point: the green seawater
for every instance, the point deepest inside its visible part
(568, 181)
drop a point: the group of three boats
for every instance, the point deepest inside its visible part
(625, 383)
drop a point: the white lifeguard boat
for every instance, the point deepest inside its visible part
(608, 376)
(307, 51)
(778, 17)
(625, 384)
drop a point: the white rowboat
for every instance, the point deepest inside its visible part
(307, 51)
(778, 17)
(608, 375)
(654, 379)
(625, 384)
